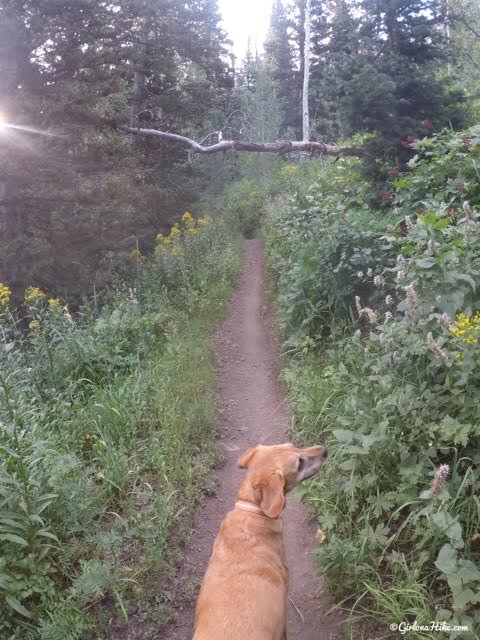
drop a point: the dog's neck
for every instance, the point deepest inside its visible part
(247, 500)
(267, 524)
(246, 505)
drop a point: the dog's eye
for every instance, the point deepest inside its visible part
(301, 464)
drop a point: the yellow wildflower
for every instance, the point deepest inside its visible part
(467, 328)
(204, 221)
(33, 324)
(192, 232)
(176, 251)
(33, 294)
(290, 168)
(175, 231)
(5, 293)
(136, 255)
(54, 302)
(167, 240)
(159, 237)
(187, 217)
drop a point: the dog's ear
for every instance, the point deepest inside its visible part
(246, 458)
(272, 488)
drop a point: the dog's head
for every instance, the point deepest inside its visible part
(274, 470)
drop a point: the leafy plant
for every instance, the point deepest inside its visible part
(390, 377)
(103, 416)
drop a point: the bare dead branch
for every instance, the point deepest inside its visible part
(281, 146)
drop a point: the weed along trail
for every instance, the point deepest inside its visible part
(252, 410)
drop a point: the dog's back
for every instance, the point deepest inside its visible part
(244, 592)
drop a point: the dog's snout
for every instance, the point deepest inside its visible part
(325, 452)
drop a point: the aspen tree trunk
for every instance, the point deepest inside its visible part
(446, 24)
(306, 73)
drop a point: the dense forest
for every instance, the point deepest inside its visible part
(77, 197)
(118, 251)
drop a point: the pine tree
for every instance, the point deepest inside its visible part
(381, 64)
(77, 67)
(279, 63)
(463, 29)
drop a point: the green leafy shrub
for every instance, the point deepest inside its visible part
(394, 390)
(443, 173)
(245, 201)
(324, 248)
(105, 437)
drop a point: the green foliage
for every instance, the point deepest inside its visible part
(106, 427)
(377, 66)
(395, 393)
(465, 37)
(279, 61)
(245, 202)
(75, 191)
(448, 166)
(318, 249)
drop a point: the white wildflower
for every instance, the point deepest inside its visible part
(370, 313)
(439, 479)
(435, 347)
(445, 320)
(412, 300)
(358, 305)
(468, 210)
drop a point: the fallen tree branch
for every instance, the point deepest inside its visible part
(281, 146)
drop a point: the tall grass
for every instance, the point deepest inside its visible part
(106, 438)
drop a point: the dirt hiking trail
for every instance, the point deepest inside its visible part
(253, 410)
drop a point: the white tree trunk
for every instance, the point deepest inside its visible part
(306, 73)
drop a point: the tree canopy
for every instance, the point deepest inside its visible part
(73, 201)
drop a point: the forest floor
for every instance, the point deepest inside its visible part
(252, 410)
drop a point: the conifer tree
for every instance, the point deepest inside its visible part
(279, 61)
(381, 63)
(75, 67)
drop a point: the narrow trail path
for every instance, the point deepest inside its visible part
(253, 410)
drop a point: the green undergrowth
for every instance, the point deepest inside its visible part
(380, 316)
(107, 439)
